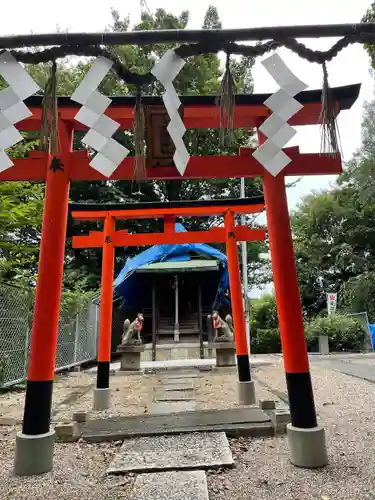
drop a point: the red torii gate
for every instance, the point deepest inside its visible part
(199, 112)
(110, 238)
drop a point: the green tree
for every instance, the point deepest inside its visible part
(333, 233)
(201, 75)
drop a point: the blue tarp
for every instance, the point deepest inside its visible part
(129, 286)
(372, 334)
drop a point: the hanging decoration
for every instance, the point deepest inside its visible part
(284, 106)
(226, 100)
(166, 70)
(327, 119)
(49, 135)
(139, 137)
(12, 107)
(110, 153)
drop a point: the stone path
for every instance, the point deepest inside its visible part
(176, 389)
(174, 453)
(171, 485)
(198, 450)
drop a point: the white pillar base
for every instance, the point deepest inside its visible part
(102, 399)
(307, 447)
(34, 454)
(246, 393)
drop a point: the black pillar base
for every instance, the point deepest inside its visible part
(102, 376)
(243, 366)
(38, 403)
(301, 400)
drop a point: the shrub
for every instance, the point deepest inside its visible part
(265, 341)
(344, 333)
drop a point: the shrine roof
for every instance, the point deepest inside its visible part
(202, 111)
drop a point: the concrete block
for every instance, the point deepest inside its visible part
(101, 400)
(307, 447)
(323, 344)
(67, 432)
(130, 357)
(246, 393)
(187, 485)
(202, 450)
(280, 418)
(34, 454)
(225, 353)
(80, 416)
(267, 404)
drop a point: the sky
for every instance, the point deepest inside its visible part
(351, 66)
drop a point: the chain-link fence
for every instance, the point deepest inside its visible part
(77, 336)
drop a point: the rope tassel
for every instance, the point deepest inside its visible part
(226, 100)
(49, 134)
(139, 138)
(329, 131)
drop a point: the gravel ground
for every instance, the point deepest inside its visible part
(346, 409)
(129, 395)
(78, 473)
(345, 406)
(11, 403)
(218, 390)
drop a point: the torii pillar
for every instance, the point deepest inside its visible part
(306, 439)
(34, 445)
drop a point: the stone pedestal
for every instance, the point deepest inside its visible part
(130, 357)
(225, 353)
(307, 447)
(34, 454)
(323, 344)
(101, 399)
(246, 393)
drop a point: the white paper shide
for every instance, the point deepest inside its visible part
(166, 70)
(284, 106)
(12, 107)
(101, 128)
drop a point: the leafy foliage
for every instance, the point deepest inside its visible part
(21, 204)
(344, 333)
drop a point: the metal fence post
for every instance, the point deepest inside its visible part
(76, 336)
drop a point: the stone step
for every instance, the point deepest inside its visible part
(187, 485)
(193, 451)
(168, 407)
(179, 385)
(184, 374)
(174, 396)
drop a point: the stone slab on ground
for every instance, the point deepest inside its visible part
(184, 374)
(174, 396)
(180, 386)
(205, 450)
(235, 421)
(171, 407)
(187, 485)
